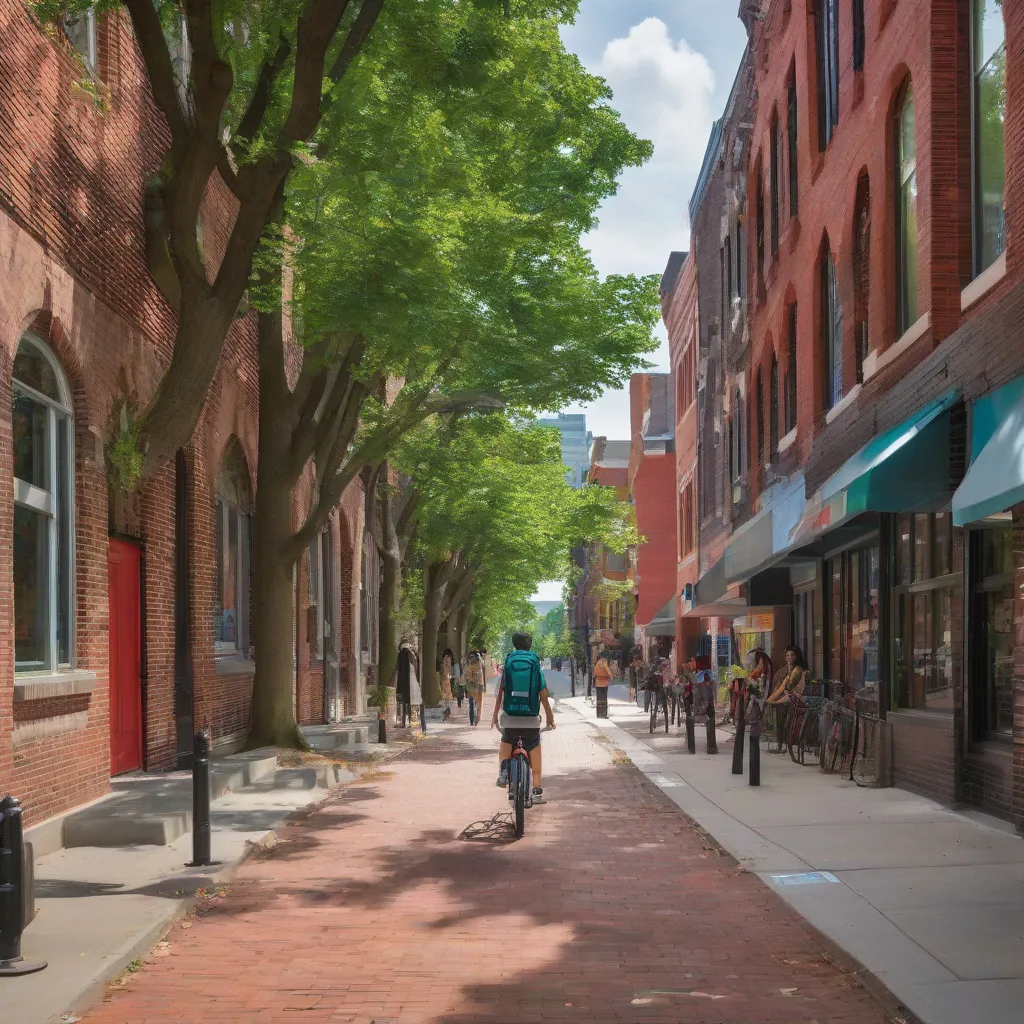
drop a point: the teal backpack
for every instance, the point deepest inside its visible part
(522, 685)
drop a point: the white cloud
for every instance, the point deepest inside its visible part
(664, 91)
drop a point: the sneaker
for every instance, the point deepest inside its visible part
(538, 796)
(502, 782)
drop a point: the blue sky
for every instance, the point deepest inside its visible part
(671, 64)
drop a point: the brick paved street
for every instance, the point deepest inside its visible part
(382, 907)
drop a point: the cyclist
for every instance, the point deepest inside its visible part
(527, 727)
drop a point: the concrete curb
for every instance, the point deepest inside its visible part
(891, 1004)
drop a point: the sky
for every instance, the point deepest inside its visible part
(671, 64)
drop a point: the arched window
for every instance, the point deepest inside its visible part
(773, 411)
(738, 435)
(862, 271)
(988, 59)
(43, 509)
(760, 418)
(791, 138)
(827, 32)
(906, 213)
(232, 536)
(791, 315)
(832, 332)
(859, 36)
(760, 221)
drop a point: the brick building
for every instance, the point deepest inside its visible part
(886, 370)
(652, 489)
(124, 619)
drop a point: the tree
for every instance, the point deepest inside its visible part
(242, 89)
(434, 241)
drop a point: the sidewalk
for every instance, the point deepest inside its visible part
(100, 907)
(404, 899)
(930, 901)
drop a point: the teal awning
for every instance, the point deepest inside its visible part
(664, 623)
(901, 470)
(995, 481)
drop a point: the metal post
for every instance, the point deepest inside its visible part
(201, 836)
(755, 760)
(382, 728)
(572, 674)
(691, 739)
(13, 895)
(423, 718)
(741, 728)
(712, 742)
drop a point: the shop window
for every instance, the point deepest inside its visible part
(832, 333)
(773, 163)
(232, 530)
(926, 598)
(992, 633)
(43, 540)
(853, 616)
(827, 31)
(803, 622)
(791, 137)
(906, 214)
(80, 28)
(988, 59)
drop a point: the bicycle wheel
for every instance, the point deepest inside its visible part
(519, 781)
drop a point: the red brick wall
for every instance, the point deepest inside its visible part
(654, 491)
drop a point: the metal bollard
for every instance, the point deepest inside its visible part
(423, 718)
(712, 747)
(201, 837)
(755, 760)
(13, 895)
(691, 739)
(741, 728)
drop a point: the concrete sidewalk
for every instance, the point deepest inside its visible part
(930, 901)
(102, 907)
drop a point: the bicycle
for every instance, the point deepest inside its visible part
(659, 698)
(520, 785)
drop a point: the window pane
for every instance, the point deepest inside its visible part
(32, 368)
(922, 547)
(900, 648)
(990, 108)
(989, 30)
(921, 669)
(908, 230)
(218, 600)
(942, 549)
(231, 578)
(81, 30)
(904, 550)
(999, 659)
(996, 552)
(65, 475)
(31, 588)
(30, 421)
(835, 620)
(940, 692)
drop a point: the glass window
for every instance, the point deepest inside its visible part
(863, 659)
(232, 541)
(931, 678)
(905, 550)
(760, 220)
(835, 618)
(922, 547)
(794, 189)
(993, 631)
(760, 418)
(832, 330)
(906, 214)
(791, 373)
(989, 74)
(942, 543)
(43, 509)
(80, 28)
(828, 69)
(773, 411)
(774, 170)
(859, 36)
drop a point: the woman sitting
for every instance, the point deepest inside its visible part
(791, 679)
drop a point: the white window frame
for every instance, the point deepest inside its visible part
(47, 503)
(241, 647)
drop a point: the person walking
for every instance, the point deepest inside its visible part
(636, 669)
(602, 677)
(474, 683)
(447, 663)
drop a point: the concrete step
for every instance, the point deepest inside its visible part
(154, 810)
(336, 737)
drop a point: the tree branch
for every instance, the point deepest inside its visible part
(149, 34)
(259, 102)
(364, 23)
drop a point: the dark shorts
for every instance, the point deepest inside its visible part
(531, 738)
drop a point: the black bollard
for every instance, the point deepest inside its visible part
(712, 747)
(14, 894)
(201, 836)
(423, 718)
(755, 760)
(382, 729)
(741, 728)
(691, 739)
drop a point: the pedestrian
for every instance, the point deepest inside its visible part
(447, 661)
(457, 685)
(602, 677)
(636, 669)
(474, 682)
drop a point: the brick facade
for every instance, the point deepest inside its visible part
(73, 168)
(809, 198)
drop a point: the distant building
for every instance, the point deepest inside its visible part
(576, 442)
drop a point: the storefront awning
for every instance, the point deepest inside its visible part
(765, 539)
(727, 610)
(905, 469)
(664, 623)
(995, 480)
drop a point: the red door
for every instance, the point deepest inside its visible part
(123, 565)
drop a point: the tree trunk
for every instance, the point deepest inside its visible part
(463, 630)
(390, 588)
(273, 714)
(438, 576)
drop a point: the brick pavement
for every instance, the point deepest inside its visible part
(380, 906)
